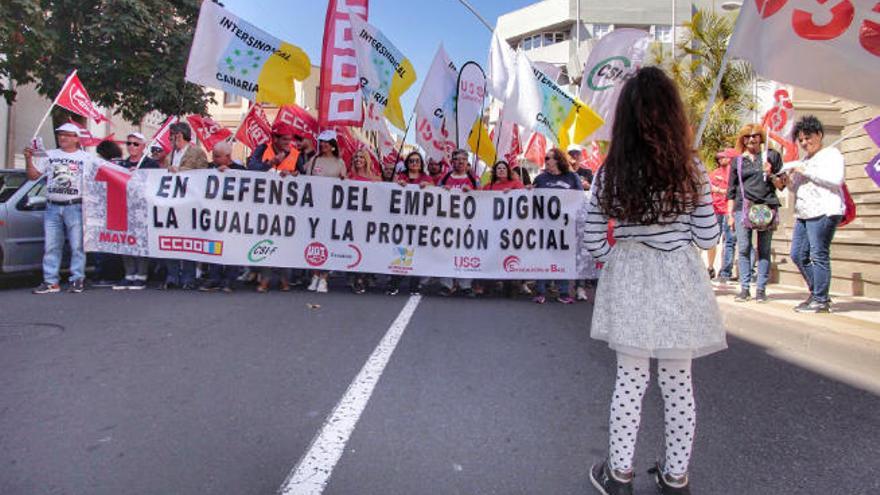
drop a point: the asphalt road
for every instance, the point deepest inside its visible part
(189, 393)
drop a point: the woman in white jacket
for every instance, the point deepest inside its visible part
(817, 183)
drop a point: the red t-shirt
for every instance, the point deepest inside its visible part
(719, 178)
(362, 178)
(454, 182)
(500, 186)
(418, 180)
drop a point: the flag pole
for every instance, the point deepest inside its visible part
(49, 110)
(405, 133)
(468, 6)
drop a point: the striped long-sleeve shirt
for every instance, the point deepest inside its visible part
(699, 227)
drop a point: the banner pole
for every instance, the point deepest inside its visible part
(49, 110)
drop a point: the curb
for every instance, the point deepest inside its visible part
(843, 348)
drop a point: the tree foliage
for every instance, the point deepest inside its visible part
(704, 44)
(130, 54)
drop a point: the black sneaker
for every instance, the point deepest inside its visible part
(123, 284)
(804, 304)
(76, 286)
(605, 483)
(761, 296)
(711, 273)
(667, 485)
(814, 307)
(46, 288)
(188, 286)
(138, 285)
(743, 296)
(392, 291)
(416, 291)
(103, 283)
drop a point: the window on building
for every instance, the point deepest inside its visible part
(231, 100)
(527, 43)
(663, 34)
(600, 30)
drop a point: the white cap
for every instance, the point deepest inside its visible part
(327, 135)
(68, 127)
(137, 135)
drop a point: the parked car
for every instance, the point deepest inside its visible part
(22, 204)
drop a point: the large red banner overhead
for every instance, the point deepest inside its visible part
(340, 100)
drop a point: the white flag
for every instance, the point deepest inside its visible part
(832, 47)
(470, 100)
(502, 64)
(525, 100)
(436, 104)
(612, 61)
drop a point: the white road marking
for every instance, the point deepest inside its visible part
(312, 472)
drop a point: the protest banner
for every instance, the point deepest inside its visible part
(384, 72)
(340, 101)
(614, 59)
(261, 219)
(232, 54)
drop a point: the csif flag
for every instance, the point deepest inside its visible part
(614, 59)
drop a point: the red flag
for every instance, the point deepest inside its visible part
(208, 131)
(536, 149)
(163, 137)
(592, 157)
(255, 128)
(73, 97)
(339, 97)
(301, 120)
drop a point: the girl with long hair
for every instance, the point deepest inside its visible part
(654, 298)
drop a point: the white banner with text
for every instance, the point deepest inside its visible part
(261, 219)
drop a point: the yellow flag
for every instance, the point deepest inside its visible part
(276, 78)
(481, 144)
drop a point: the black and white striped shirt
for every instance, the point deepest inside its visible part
(699, 227)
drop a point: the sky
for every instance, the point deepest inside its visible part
(416, 27)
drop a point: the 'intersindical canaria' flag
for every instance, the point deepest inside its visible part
(385, 73)
(232, 54)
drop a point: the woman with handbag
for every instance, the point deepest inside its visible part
(753, 206)
(817, 183)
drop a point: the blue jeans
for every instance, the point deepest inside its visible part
(60, 222)
(729, 239)
(744, 241)
(180, 272)
(810, 251)
(562, 285)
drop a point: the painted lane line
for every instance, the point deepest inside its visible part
(312, 472)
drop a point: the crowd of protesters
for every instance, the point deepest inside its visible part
(746, 178)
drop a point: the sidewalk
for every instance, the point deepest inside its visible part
(844, 345)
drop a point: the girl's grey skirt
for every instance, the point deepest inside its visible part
(659, 304)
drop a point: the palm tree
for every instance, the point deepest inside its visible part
(704, 45)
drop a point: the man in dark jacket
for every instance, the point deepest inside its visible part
(221, 277)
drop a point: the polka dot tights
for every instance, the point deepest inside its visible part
(674, 377)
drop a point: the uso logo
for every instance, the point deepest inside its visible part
(316, 254)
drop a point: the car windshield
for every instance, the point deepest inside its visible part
(9, 183)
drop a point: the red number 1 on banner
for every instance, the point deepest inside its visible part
(117, 197)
